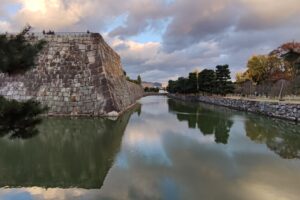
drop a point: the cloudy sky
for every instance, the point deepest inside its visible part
(164, 39)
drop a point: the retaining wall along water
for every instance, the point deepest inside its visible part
(272, 109)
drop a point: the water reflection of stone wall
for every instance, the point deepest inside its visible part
(206, 119)
(67, 153)
(281, 137)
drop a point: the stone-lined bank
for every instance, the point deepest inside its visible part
(272, 109)
(76, 74)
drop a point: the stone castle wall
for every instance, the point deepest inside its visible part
(272, 109)
(76, 74)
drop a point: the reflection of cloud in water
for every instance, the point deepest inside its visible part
(200, 168)
(170, 189)
(157, 104)
(122, 161)
(148, 146)
(16, 195)
(202, 171)
(38, 193)
(260, 183)
(146, 139)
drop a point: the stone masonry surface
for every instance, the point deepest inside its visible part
(272, 109)
(75, 74)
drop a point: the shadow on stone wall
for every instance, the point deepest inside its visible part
(67, 153)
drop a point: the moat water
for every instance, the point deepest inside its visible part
(161, 149)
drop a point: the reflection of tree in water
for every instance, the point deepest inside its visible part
(280, 136)
(206, 118)
(139, 110)
(19, 119)
(184, 112)
(67, 153)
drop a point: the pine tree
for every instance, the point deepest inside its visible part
(223, 83)
(18, 119)
(171, 88)
(192, 83)
(139, 80)
(206, 81)
(16, 54)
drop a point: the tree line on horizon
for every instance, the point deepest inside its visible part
(273, 75)
(207, 81)
(151, 89)
(137, 81)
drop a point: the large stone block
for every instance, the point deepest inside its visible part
(80, 70)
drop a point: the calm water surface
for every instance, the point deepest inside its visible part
(161, 149)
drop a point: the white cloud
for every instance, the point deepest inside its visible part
(198, 34)
(4, 25)
(45, 14)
